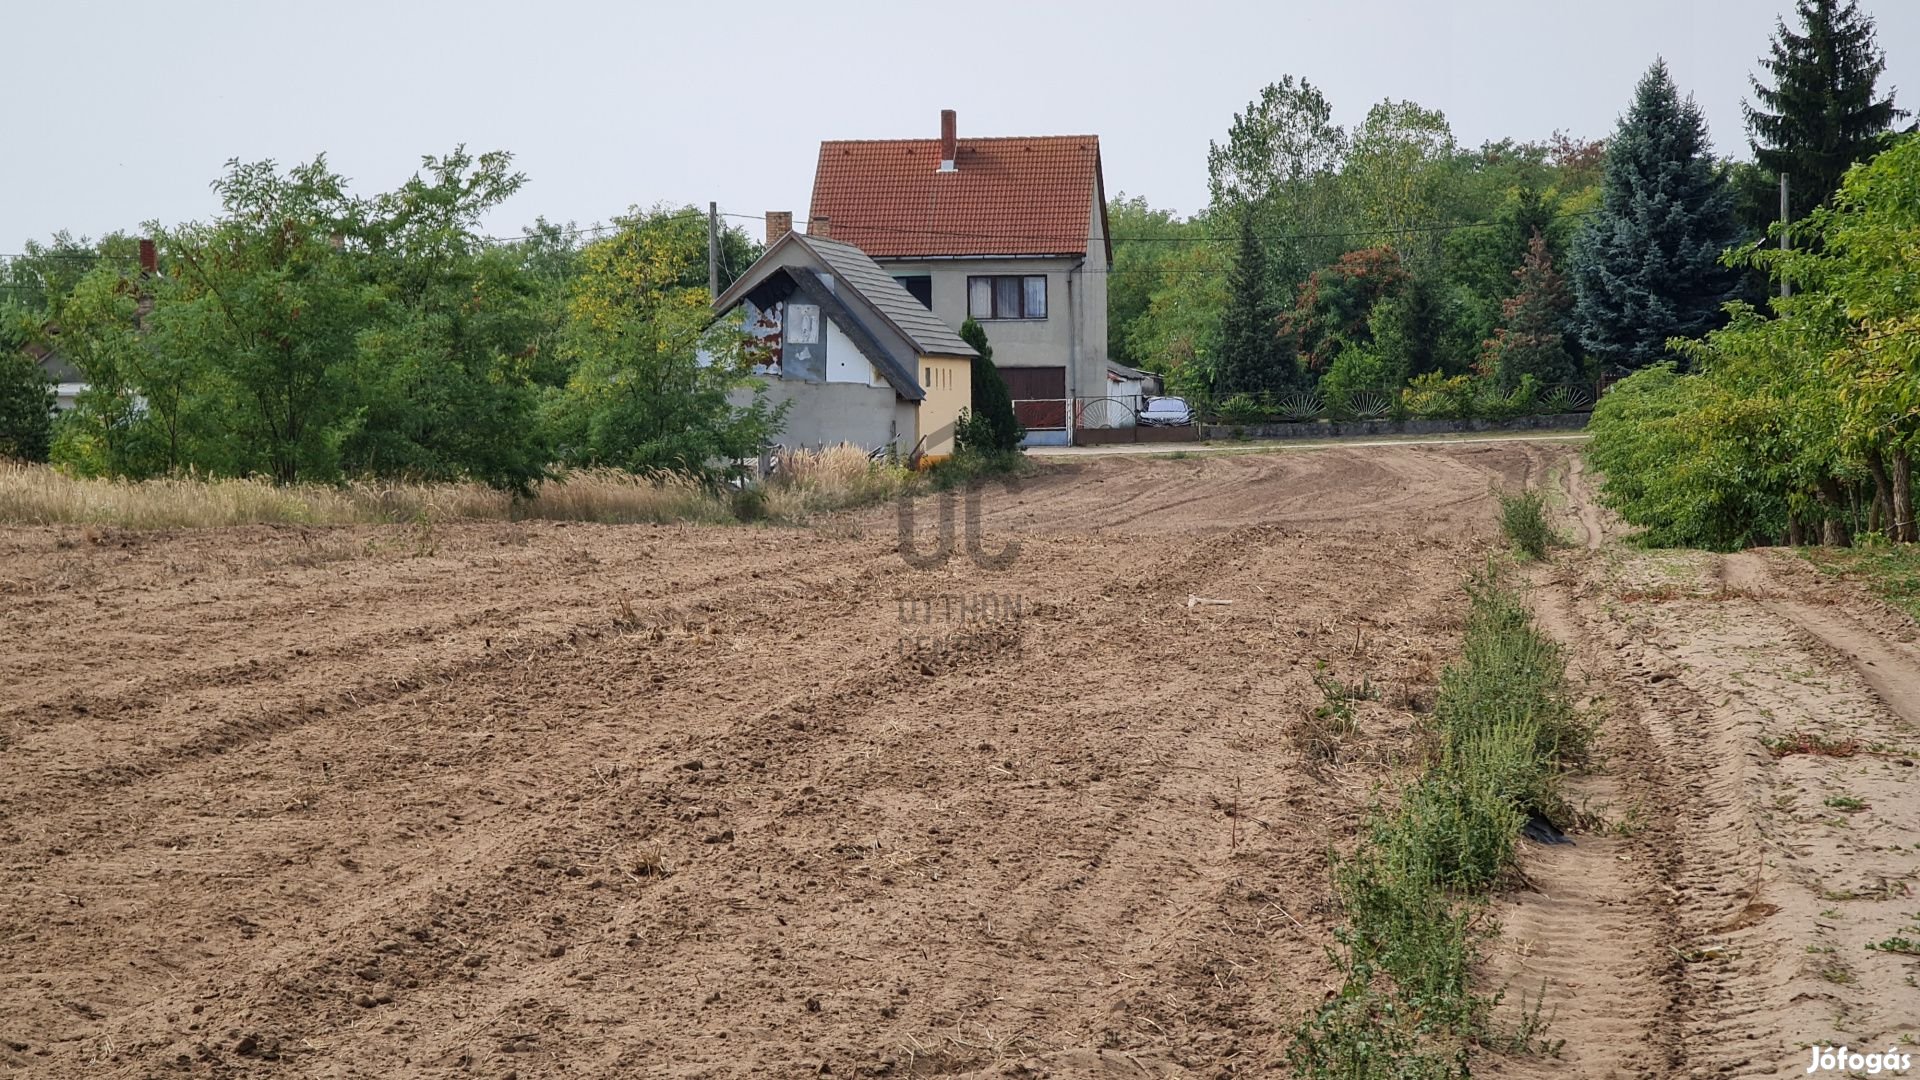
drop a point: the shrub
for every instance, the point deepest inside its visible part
(990, 424)
(1523, 518)
(1354, 370)
(1434, 396)
(1242, 408)
(26, 408)
(1688, 462)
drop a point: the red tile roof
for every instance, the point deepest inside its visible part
(1012, 196)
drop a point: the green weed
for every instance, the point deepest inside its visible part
(1523, 517)
(1505, 726)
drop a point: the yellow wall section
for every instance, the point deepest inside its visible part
(949, 387)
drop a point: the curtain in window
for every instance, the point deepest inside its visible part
(980, 297)
(1036, 298)
(1006, 297)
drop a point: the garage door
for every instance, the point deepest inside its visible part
(1039, 396)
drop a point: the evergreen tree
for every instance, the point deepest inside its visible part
(1254, 358)
(1531, 339)
(1647, 267)
(992, 426)
(26, 402)
(1822, 112)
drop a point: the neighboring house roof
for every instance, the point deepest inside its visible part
(911, 317)
(56, 367)
(1027, 195)
(1119, 370)
(849, 268)
(897, 371)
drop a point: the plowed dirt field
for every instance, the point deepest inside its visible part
(575, 800)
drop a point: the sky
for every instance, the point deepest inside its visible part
(122, 112)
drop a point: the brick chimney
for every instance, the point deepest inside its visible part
(149, 259)
(820, 225)
(779, 224)
(949, 139)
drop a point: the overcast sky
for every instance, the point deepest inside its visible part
(121, 112)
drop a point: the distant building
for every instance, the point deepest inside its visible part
(860, 360)
(1010, 231)
(66, 379)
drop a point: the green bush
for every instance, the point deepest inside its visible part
(1242, 408)
(1523, 518)
(1434, 396)
(1688, 462)
(26, 408)
(994, 428)
(970, 465)
(1354, 370)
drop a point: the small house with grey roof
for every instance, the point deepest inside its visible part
(856, 359)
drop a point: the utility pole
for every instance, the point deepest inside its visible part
(1786, 216)
(713, 243)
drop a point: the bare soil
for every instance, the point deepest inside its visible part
(769, 802)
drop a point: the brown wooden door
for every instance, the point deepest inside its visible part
(1039, 396)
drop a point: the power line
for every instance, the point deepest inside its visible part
(1006, 237)
(1436, 227)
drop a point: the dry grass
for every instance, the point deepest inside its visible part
(832, 479)
(806, 484)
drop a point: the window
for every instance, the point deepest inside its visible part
(1007, 297)
(920, 287)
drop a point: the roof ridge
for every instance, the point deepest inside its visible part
(962, 140)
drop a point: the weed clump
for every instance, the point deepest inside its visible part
(1504, 726)
(1523, 517)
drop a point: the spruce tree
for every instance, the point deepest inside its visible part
(1531, 339)
(1647, 266)
(993, 424)
(1254, 359)
(1822, 112)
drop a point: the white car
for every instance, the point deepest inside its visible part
(1166, 412)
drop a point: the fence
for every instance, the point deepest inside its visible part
(1106, 420)
(1448, 402)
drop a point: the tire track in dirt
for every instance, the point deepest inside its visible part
(1890, 668)
(1754, 902)
(1586, 940)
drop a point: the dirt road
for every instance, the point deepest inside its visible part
(1751, 835)
(758, 802)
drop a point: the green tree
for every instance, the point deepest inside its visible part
(1254, 358)
(1179, 335)
(1647, 268)
(1282, 159)
(654, 384)
(266, 304)
(1532, 339)
(111, 430)
(444, 370)
(1400, 175)
(1147, 246)
(1335, 307)
(1789, 422)
(992, 425)
(1822, 112)
(26, 395)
